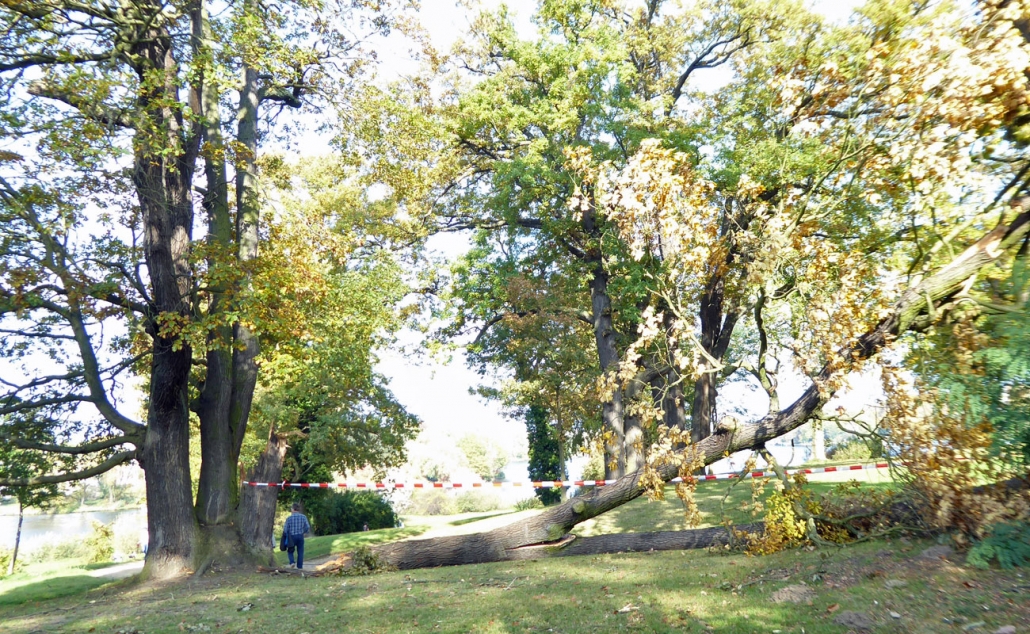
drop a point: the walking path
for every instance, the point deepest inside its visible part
(119, 571)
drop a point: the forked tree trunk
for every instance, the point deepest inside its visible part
(552, 525)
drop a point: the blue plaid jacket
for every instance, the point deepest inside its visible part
(296, 524)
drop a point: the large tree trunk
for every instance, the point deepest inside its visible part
(225, 403)
(257, 504)
(165, 156)
(248, 206)
(612, 409)
(553, 524)
(214, 502)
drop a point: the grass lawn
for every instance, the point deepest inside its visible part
(715, 499)
(889, 584)
(50, 580)
(894, 585)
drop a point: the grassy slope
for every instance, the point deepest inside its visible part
(50, 580)
(657, 592)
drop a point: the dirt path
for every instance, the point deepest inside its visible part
(119, 571)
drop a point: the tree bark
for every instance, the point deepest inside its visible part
(164, 159)
(612, 410)
(553, 524)
(213, 503)
(643, 542)
(257, 504)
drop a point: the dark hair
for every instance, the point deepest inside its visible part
(296, 506)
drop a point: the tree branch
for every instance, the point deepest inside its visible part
(105, 466)
(93, 447)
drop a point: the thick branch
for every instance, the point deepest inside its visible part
(79, 450)
(103, 467)
(88, 108)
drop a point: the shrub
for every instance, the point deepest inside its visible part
(5, 561)
(858, 449)
(366, 562)
(349, 512)
(529, 503)
(100, 545)
(476, 502)
(75, 549)
(433, 502)
(1009, 543)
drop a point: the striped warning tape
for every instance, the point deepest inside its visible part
(545, 484)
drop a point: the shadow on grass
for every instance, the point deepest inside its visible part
(469, 520)
(51, 588)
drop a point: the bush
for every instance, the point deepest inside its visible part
(75, 549)
(349, 512)
(100, 545)
(529, 503)
(434, 502)
(476, 502)
(857, 449)
(5, 561)
(1009, 543)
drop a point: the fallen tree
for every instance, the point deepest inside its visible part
(539, 536)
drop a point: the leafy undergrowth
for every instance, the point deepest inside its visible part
(895, 586)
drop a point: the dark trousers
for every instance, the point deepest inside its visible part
(296, 541)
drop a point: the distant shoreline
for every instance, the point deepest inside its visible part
(7, 510)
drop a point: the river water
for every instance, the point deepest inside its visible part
(40, 530)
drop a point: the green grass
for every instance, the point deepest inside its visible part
(692, 591)
(715, 499)
(469, 520)
(50, 580)
(321, 546)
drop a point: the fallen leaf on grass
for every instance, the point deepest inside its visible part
(833, 608)
(627, 608)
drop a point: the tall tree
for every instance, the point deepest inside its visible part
(113, 109)
(21, 458)
(544, 452)
(832, 197)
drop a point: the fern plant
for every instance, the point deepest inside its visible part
(1009, 543)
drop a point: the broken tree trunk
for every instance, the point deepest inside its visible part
(552, 525)
(257, 504)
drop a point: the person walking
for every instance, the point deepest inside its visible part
(295, 527)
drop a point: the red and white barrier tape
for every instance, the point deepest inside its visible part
(544, 484)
